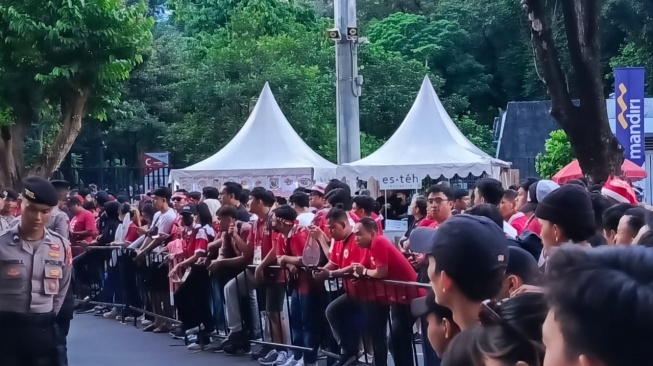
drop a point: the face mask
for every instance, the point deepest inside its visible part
(187, 220)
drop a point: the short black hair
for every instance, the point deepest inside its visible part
(163, 192)
(338, 214)
(460, 193)
(490, 211)
(509, 194)
(599, 205)
(421, 204)
(514, 187)
(285, 212)
(526, 183)
(300, 199)
(210, 193)
(339, 197)
(490, 189)
(463, 349)
(281, 200)
(263, 195)
(439, 188)
(369, 224)
(234, 189)
(601, 299)
(195, 196)
(612, 215)
(227, 211)
(578, 182)
(244, 196)
(366, 203)
(335, 184)
(646, 240)
(204, 214)
(637, 218)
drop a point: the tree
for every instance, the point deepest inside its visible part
(68, 58)
(557, 154)
(586, 123)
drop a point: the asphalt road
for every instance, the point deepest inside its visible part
(101, 342)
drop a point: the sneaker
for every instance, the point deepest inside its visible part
(270, 358)
(260, 352)
(238, 348)
(146, 322)
(366, 358)
(282, 358)
(194, 347)
(129, 319)
(290, 361)
(100, 312)
(178, 333)
(219, 348)
(111, 314)
(85, 309)
(346, 360)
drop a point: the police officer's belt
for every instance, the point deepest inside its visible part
(9, 319)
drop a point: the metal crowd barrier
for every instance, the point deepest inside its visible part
(109, 277)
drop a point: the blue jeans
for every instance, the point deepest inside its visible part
(112, 290)
(304, 324)
(217, 304)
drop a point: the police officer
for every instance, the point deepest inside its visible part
(35, 270)
(59, 223)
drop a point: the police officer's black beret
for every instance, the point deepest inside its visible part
(60, 184)
(9, 193)
(39, 190)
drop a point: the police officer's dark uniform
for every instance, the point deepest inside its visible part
(59, 223)
(34, 280)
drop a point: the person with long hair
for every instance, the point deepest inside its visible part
(511, 332)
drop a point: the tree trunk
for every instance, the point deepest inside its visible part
(586, 124)
(71, 123)
(12, 140)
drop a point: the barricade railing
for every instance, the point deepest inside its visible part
(283, 310)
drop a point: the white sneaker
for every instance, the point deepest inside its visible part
(300, 362)
(146, 322)
(290, 361)
(112, 314)
(269, 359)
(282, 358)
(194, 347)
(368, 360)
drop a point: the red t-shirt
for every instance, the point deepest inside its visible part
(384, 254)
(83, 221)
(346, 252)
(519, 222)
(261, 236)
(379, 222)
(196, 240)
(132, 233)
(534, 226)
(320, 220)
(427, 223)
(294, 246)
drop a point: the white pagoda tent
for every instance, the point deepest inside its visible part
(265, 152)
(427, 143)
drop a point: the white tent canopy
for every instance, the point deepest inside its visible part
(427, 143)
(265, 152)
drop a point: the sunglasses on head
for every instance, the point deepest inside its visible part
(489, 316)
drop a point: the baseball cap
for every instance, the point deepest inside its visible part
(189, 209)
(319, 187)
(73, 200)
(536, 193)
(464, 243)
(522, 264)
(426, 305)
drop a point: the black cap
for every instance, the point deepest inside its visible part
(464, 242)
(567, 206)
(72, 201)
(60, 185)
(10, 194)
(426, 305)
(189, 209)
(39, 190)
(122, 198)
(522, 264)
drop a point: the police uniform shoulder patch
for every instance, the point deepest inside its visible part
(59, 242)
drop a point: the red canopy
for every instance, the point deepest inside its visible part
(572, 171)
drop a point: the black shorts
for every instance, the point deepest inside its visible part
(271, 296)
(158, 277)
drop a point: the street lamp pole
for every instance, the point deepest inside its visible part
(348, 83)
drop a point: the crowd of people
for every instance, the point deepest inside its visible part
(536, 274)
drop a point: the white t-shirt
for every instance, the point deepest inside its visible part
(305, 219)
(164, 221)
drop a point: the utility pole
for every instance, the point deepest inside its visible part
(348, 83)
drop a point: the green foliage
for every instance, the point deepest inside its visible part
(479, 135)
(557, 154)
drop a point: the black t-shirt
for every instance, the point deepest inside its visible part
(242, 214)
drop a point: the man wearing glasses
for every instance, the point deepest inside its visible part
(439, 204)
